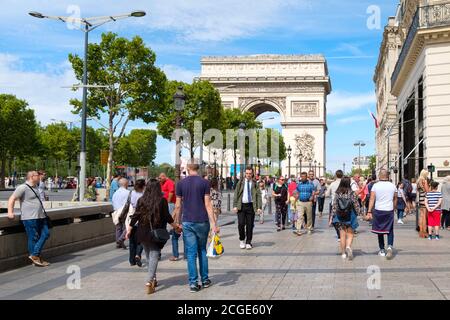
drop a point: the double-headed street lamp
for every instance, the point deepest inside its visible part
(289, 151)
(89, 25)
(359, 144)
(179, 99)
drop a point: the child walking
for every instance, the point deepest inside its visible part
(433, 203)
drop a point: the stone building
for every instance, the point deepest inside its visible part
(420, 81)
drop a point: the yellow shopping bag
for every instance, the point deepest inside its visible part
(215, 248)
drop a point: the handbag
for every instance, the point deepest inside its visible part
(215, 248)
(47, 218)
(126, 208)
(159, 235)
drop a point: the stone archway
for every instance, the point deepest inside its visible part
(295, 86)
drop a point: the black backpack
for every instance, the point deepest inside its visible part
(344, 208)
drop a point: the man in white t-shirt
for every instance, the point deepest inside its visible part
(383, 201)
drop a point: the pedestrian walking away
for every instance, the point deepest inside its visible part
(121, 202)
(247, 203)
(346, 208)
(280, 194)
(33, 217)
(383, 200)
(152, 214)
(136, 248)
(331, 193)
(194, 205)
(433, 204)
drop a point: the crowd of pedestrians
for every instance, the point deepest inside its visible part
(194, 205)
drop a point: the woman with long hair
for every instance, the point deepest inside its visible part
(345, 219)
(423, 186)
(152, 212)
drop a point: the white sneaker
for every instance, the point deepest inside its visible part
(389, 253)
(382, 253)
(344, 256)
(248, 246)
(400, 221)
(242, 245)
(349, 253)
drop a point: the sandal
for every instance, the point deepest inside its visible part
(174, 259)
(150, 287)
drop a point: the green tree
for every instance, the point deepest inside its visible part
(134, 85)
(138, 149)
(202, 104)
(232, 119)
(18, 131)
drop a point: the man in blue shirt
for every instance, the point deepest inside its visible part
(306, 191)
(114, 186)
(194, 202)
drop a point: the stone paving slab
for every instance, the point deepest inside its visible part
(280, 266)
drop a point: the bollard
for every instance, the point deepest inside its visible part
(270, 205)
(229, 202)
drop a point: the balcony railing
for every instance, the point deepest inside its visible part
(431, 16)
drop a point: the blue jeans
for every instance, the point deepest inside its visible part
(195, 237)
(400, 213)
(37, 234)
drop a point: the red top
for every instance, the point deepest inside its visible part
(168, 187)
(291, 188)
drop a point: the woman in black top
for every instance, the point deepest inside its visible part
(280, 194)
(152, 209)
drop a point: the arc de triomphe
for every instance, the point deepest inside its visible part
(295, 86)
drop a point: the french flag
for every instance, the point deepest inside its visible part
(374, 118)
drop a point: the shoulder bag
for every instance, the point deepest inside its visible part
(47, 218)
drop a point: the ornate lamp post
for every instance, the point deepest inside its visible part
(289, 151)
(300, 156)
(319, 169)
(179, 99)
(242, 127)
(315, 167)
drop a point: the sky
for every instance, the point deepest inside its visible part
(34, 64)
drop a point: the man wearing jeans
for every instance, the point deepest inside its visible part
(194, 202)
(168, 189)
(32, 216)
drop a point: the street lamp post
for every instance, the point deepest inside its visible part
(359, 144)
(242, 127)
(89, 25)
(315, 168)
(289, 151)
(319, 169)
(343, 166)
(300, 157)
(179, 99)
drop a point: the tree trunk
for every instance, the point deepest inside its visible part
(2, 172)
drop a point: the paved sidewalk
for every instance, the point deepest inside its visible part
(281, 266)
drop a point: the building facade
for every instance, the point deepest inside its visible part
(420, 81)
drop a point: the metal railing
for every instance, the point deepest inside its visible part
(431, 16)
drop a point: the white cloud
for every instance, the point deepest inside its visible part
(352, 119)
(341, 102)
(41, 90)
(179, 73)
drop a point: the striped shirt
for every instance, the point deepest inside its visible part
(433, 199)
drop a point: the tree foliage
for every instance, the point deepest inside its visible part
(18, 131)
(138, 149)
(134, 86)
